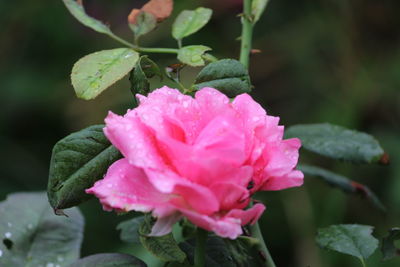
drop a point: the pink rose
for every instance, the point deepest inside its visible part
(201, 158)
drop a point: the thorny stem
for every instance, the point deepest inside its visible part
(247, 33)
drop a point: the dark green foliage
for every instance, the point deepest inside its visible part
(130, 230)
(351, 239)
(337, 142)
(144, 70)
(227, 75)
(163, 247)
(32, 235)
(78, 160)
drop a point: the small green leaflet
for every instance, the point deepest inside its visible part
(94, 73)
(257, 9)
(78, 11)
(77, 162)
(337, 142)
(193, 55)
(351, 239)
(190, 21)
(34, 236)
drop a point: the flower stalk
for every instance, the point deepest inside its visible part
(245, 49)
(199, 255)
(256, 232)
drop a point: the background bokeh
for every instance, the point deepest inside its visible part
(332, 61)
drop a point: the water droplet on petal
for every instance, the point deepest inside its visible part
(8, 235)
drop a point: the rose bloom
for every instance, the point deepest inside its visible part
(201, 158)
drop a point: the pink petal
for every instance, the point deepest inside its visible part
(193, 196)
(224, 227)
(230, 195)
(249, 216)
(126, 187)
(223, 138)
(211, 103)
(159, 111)
(283, 158)
(206, 162)
(133, 139)
(164, 225)
(228, 226)
(292, 179)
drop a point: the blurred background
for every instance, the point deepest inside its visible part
(334, 61)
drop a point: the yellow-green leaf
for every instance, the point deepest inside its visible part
(190, 21)
(95, 72)
(192, 55)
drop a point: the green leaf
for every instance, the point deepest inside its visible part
(227, 75)
(130, 230)
(77, 161)
(190, 21)
(257, 9)
(109, 260)
(217, 254)
(351, 239)
(389, 250)
(79, 13)
(145, 23)
(337, 142)
(139, 77)
(163, 247)
(245, 251)
(224, 252)
(193, 55)
(94, 73)
(343, 183)
(33, 236)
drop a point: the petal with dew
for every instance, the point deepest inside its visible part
(126, 187)
(133, 139)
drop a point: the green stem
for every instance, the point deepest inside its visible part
(122, 41)
(247, 33)
(145, 49)
(363, 262)
(157, 50)
(245, 49)
(256, 232)
(199, 254)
